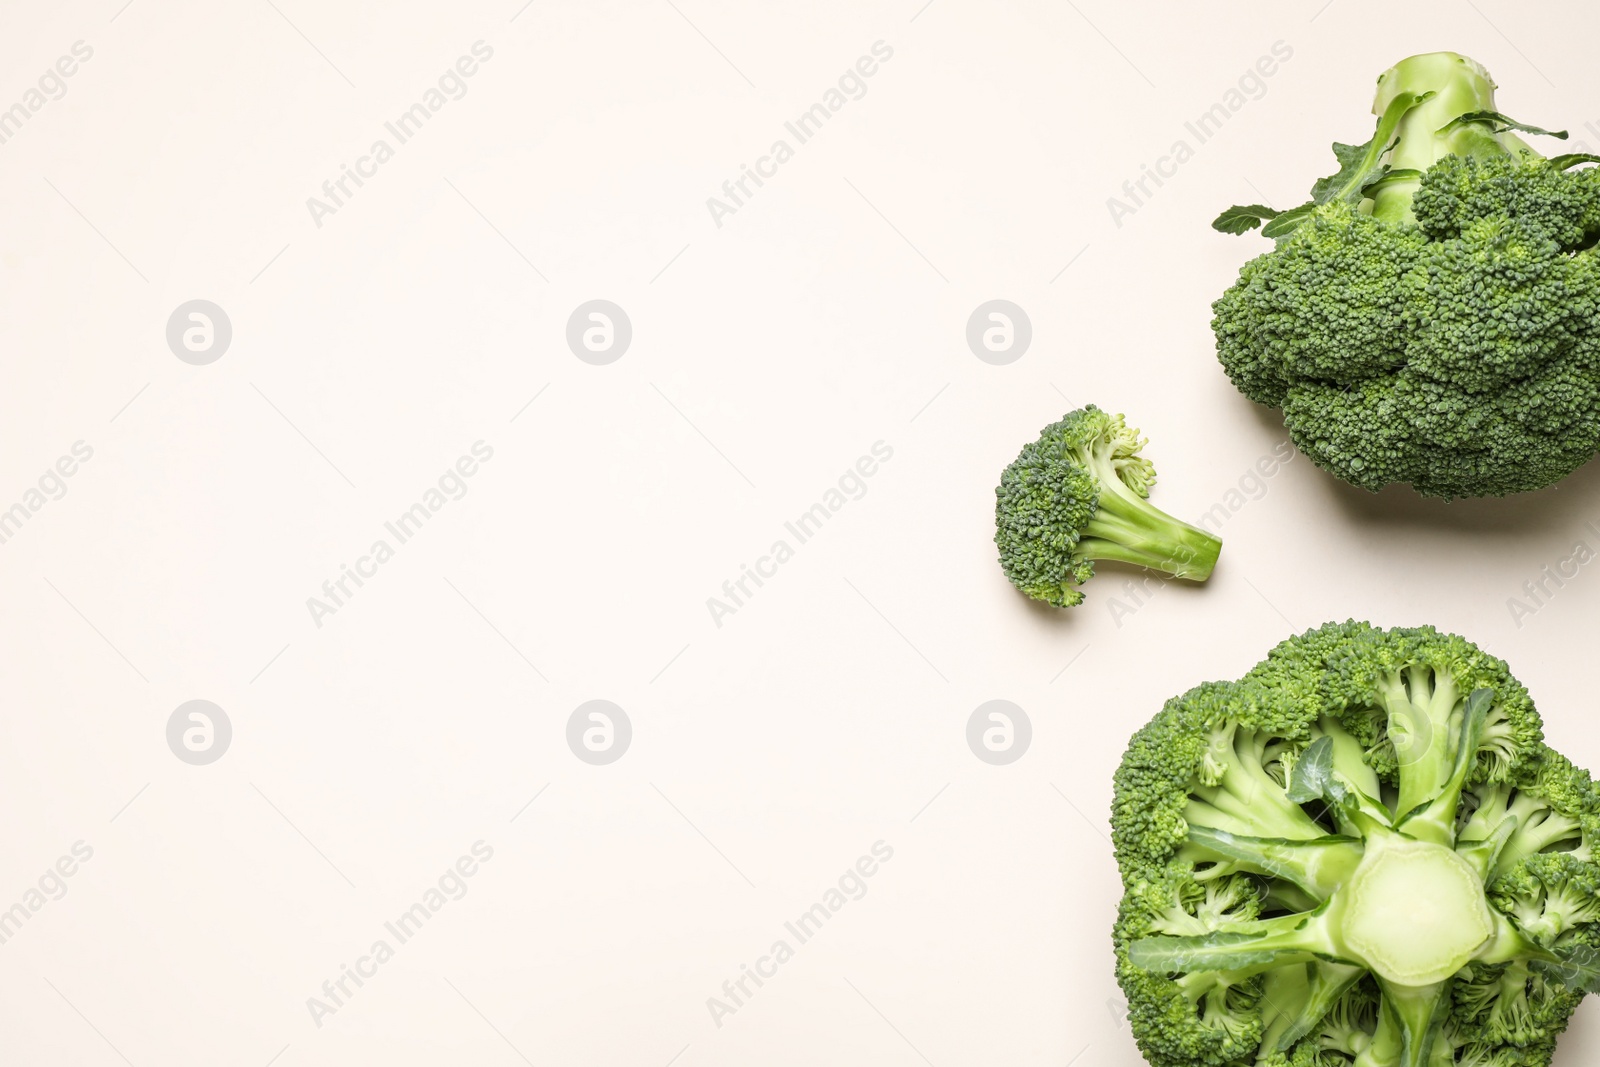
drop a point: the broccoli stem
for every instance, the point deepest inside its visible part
(1537, 826)
(1244, 798)
(1509, 944)
(1348, 757)
(1407, 1026)
(1484, 853)
(1296, 999)
(1574, 966)
(1459, 86)
(1533, 835)
(1422, 707)
(1248, 946)
(1435, 821)
(1127, 528)
(1377, 918)
(1318, 866)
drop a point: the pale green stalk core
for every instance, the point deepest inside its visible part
(1455, 86)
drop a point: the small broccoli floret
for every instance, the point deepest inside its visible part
(1510, 732)
(1473, 1053)
(1549, 894)
(1360, 854)
(1210, 1019)
(1199, 907)
(1077, 495)
(1432, 316)
(1546, 805)
(1513, 1006)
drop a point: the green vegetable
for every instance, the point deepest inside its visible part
(1361, 854)
(1076, 495)
(1432, 315)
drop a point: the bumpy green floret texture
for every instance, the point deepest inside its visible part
(1249, 818)
(1434, 318)
(1077, 494)
(1459, 353)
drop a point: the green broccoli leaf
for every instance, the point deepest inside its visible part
(1577, 968)
(1357, 163)
(1499, 124)
(1386, 175)
(1353, 168)
(1360, 167)
(1288, 220)
(1242, 219)
(1572, 159)
(1312, 778)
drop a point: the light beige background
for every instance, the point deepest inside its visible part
(769, 353)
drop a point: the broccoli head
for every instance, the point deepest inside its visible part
(1361, 854)
(1076, 495)
(1432, 315)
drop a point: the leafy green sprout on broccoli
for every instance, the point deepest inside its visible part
(1431, 315)
(1361, 854)
(1077, 494)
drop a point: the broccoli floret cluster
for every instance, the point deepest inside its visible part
(1076, 495)
(1361, 854)
(1432, 317)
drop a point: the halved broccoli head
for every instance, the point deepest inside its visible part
(1076, 495)
(1432, 315)
(1361, 854)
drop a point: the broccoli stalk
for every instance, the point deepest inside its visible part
(1127, 528)
(1297, 999)
(1429, 107)
(1076, 495)
(1454, 115)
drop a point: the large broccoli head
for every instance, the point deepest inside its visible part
(1361, 854)
(1430, 317)
(1076, 494)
